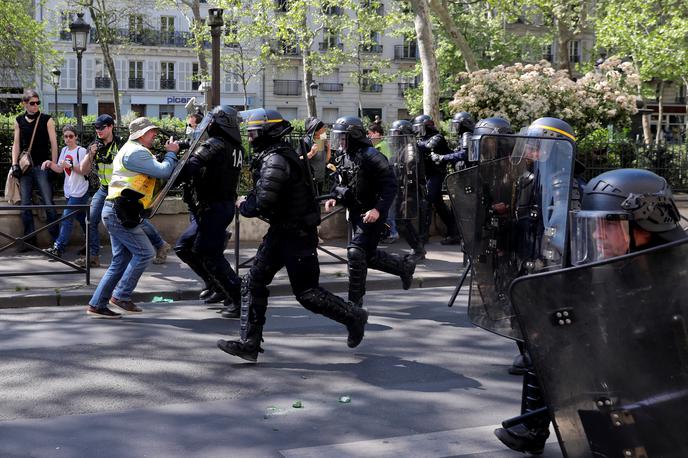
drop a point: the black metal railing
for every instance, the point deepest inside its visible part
(103, 82)
(406, 52)
(331, 87)
(287, 87)
(680, 100)
(167, 83)
(371, 87)
(136, 83)
(402, 87)
(371, 48)
(143, 37)
(325, 45)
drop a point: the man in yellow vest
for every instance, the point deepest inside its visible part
(134, 175)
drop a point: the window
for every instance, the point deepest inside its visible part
(547, 52)
(330, 40)
(231, 83)
(167, 29)
(166, 111)
(167, 75)
(63, 26)
(574, 51)
(102, 76)
(371, 113)
(368, 84)
(330, 115)
(231, 33)
(139, 109)
(136, 80)
(136, 28)
(288, 113)
(195, 80)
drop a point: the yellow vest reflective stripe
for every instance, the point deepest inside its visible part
(126, 179)
(105, 169)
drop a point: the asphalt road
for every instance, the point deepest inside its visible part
(424, 383)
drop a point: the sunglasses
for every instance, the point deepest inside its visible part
(69, 136)
(33, 104)
(101, 128)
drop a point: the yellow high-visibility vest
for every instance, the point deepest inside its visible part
(126, 179)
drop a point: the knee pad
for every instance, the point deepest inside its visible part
(355, 254)
(311, 298)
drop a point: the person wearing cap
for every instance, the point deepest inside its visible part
(135, 172)
(103, 151)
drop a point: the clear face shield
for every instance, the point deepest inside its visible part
(253, 133)
(598, 235)
(419, 129)
(340, 141)
(473, 149)
(533, 149)
(396, 140)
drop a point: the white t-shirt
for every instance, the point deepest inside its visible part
(75, 184)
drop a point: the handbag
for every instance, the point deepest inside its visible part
(92, 178)
(25, 160)
(12, 191)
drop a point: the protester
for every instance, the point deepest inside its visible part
(318, 150)
(74, 162)
(376, 135)
(34, 132)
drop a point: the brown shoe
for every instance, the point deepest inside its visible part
(103, 312)
(81, 262)
(161, 253)
(127, 306)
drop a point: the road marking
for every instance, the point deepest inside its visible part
(455, 442)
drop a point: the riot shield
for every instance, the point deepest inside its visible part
(609, 342)
(405, 163)
(198, 137)
(513, 213)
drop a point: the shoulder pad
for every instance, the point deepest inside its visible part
(209, 149)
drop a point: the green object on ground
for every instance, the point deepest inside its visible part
(162, 299)
(297, 405)
(345, 399)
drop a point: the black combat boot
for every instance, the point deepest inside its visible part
(523, 439)
(194, 262)
(323, 302)
(245, 348)
(403, 267)
(232, 307)
(227, 283)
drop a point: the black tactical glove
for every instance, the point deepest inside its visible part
(16, 171)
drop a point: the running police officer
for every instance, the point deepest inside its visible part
(462, 126)
(367, 189)
(284, 195)
(210, 177)
(431, 142)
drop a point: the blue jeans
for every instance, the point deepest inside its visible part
(97, 203)
(132, 253)
(37, 178)
(66, 226)
(392, 219)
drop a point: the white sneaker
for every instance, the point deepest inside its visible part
(161, 253)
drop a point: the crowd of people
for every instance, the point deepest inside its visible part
(388, 185)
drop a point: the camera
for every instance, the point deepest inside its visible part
(183, 144)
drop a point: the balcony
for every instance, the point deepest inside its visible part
(287, 87)
(331, 87)
(406, 52)
(103, 82)
(371, 87)
(144, 38)
(680, 100)
(402, 87)
(371, 48)
(325, 45)
(136, 83)
(166, 83)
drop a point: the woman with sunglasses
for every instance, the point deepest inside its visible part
(74, 162)
(44, 147)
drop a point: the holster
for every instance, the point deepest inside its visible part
(128, 209)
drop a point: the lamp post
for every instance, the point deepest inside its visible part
(204, 88)
(215, 22)
(55, 80)
(80, 31)
(314, 93)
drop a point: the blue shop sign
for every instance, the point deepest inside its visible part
(177, 100)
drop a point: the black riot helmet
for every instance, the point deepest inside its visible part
(225, 122)
(349, 134)
(622, 211)
(266, 127)
(487, 126)
(552, 129)
(492, 126)
(461, 123)
(423, 124)
(399, 134)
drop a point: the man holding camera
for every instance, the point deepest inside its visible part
(135, 172)
(103, 152)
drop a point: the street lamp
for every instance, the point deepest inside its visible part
(313, 87)
(215, 22)
(80, 30)
(55, 79)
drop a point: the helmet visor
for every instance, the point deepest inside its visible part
(340, 140)
(419, 129)
(254, 133)
(598, 235)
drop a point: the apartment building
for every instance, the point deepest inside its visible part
(155, 66)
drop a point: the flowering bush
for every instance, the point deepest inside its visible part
(522, 93)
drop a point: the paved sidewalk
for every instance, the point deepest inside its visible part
(174, 280)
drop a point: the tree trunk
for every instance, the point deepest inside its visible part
(307, 80)
(442, 12)
(104, 40)
(685, 118)
(198, 22)
(431, 92)
(660, 113)
(563, 39)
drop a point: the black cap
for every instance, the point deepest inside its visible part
(103, 120)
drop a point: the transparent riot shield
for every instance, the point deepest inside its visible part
(609, 342)
(405, 162)
(513, 213)
(197, 138)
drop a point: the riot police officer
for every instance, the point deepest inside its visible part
(409, 203)
(210, 177)
(462, 126)
(367, 189)
(431, 143)
(529, 435)
(284, 195)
